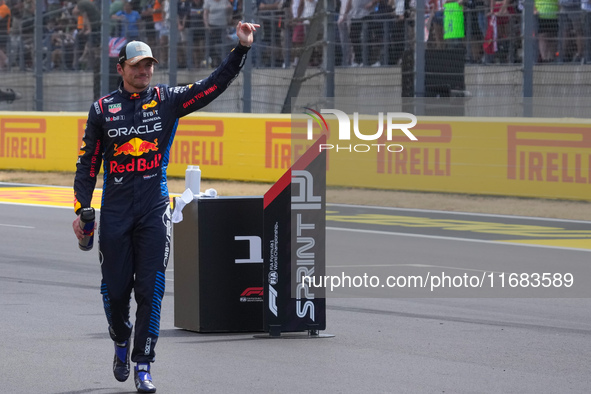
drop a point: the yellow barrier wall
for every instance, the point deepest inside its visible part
(548, 158)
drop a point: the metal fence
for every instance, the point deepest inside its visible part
(54, 66)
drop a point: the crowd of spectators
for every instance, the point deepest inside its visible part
(369, 32)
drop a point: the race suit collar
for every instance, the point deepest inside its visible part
(133, 96)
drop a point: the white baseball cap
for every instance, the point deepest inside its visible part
(135, 51)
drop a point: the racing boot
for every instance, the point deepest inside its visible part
(143, 379)
(121, 361)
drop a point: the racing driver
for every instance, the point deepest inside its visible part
(131, 131)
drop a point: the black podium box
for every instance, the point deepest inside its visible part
(218, 265)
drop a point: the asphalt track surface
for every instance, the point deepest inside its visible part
(55, 339)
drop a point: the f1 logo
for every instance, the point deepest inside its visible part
(273, 300)
(255, 246)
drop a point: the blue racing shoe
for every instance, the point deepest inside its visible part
(143, 379)
(121, 366)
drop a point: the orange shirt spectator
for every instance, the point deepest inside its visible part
(4, 18)
(4, 32)
(157, 16)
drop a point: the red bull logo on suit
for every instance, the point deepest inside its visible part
(136, 147)
(139, 164)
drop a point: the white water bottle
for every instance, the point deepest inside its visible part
(193, 179)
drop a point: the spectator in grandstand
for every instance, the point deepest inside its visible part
(410, 14)
(128, 19)
(14, 48)
(158, 9)
(183, 11)
(237, 6)
(573, 17)
(164, 33)
(196, 27)
(4, 33)
(507, 26)
(305, 11)
(27, 28)
(52, 12)
(89, 30)
(454, 30)
(286, 33)
(436, 33)
(475, 18)
(91, 35)
(359, 13)
(344, 25)
(586, 7)
(148, 32)
(216, 17)
(269, 15)
(298, 31)
(397, 34)
(63, 45)
(49, 29)
(116, 6)
(388, 31)
(381, 23)
(80, 38)
(547, 12)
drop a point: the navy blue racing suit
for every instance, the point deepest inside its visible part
(131, 134)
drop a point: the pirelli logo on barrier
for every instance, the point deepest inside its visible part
(280, 138)
(23, 138)
(198, 142)
(549, 154)
(433, 158)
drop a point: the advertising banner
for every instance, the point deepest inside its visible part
(509, 157)
(294, 246)
(548, 158)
